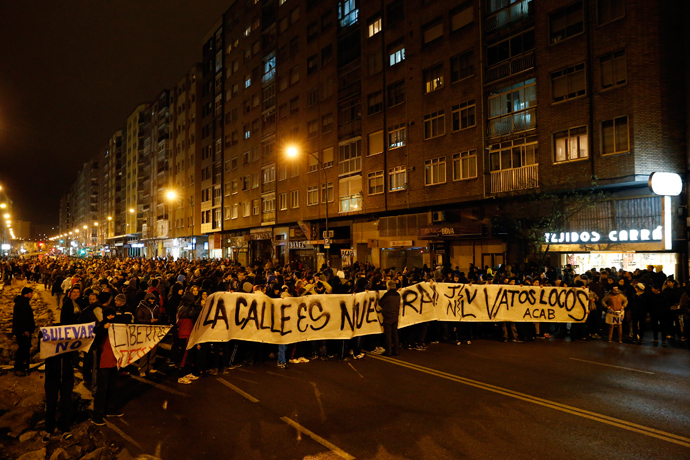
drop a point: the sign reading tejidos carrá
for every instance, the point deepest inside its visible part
(258, 318)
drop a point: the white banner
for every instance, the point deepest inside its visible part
(132, 341)
(56, 340)
(258, 318)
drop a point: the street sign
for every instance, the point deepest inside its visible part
(326, 242)
(328, 234)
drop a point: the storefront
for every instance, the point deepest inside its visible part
(621, 233)
(403, 253)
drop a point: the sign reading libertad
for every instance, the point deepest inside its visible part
(258, 318)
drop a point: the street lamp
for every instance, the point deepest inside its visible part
(292, 152)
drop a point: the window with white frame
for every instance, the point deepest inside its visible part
(268, 204)
(433, 78)
(294, 199)
(228, 189)
(327, 157)
(435, 171)
(610, 10)
(268, 174)
(282, 201)
(313, 162)
(350, 194)
(375, 183)
(246, 209)
(255, 207)
(397, 178)
(312, 129)
(375, 143)
(327, 192)
(374, 26)
(327, 122)
(434, 124)
(515, 98)
(282, 171)
(465, 165)
(566, 22)
(348, 13)
(396, 54)
(255, 180)
(312, 195)
(235, 187)
(570, 144)
(235, 212)
(614, 70)
(432, 31)
(397, 136)
(568, 83)
(513, 154)
(350, 158)
(228, 212)
(614, 136)
(464, 115)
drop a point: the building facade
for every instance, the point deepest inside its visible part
(411, 132)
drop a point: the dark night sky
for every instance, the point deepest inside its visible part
(71, 72)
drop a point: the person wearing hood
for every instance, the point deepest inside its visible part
(615, 302)
(174, 300)
(23, 325)
(147, 313)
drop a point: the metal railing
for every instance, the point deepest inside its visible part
(514, 12)
(513, 123)
(510, 180)
(510, 67)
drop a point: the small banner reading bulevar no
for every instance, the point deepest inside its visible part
(56, 340)
(258, 318)
(132, 341)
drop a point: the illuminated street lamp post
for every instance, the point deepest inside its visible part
(293, 153)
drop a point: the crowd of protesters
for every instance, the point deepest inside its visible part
(173, 292)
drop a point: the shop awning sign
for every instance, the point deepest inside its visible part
(614, 236)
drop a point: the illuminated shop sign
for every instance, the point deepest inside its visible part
(614, 236)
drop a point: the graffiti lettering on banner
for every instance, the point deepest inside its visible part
(56, 340)
(132, 341)
(258, 318)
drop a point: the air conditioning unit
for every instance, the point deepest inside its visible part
(438, 216)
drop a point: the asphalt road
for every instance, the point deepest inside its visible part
(489, 400)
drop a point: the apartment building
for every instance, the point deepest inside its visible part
(410, 132)
(186, 239)
(417, 125)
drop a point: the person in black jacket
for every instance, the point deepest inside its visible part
(390, 309)
(23, 326)
(70, 308)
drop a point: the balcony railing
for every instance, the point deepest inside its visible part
(350, 203)
(510, 67)
(513, 123)
(268, 217)
(510, 180)
(513, 13)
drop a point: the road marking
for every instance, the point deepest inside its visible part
(318, 439)
(159, 386)
(237, 390)
(122, 434)
(665, 436)
(611, 365)
(317, 394)
(353, 368)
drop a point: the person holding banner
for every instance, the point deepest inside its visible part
(107, 373)
(59, 382)
(390, 309)
(147, 313)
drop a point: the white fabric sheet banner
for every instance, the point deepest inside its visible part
(56, 340)
(132, 341)
(258, 318)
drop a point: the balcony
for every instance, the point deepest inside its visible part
(510, 67)
(513, 123)
(502, 18)
(351, 203)
(510, 180)
(268, 217)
